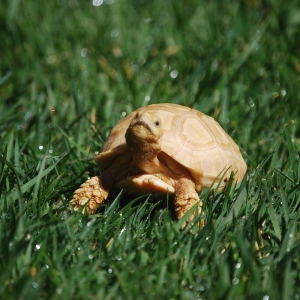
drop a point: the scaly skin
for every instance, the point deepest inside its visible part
(185, 198)
(93, 192)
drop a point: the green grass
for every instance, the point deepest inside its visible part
(69, 71)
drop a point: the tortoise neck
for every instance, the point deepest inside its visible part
(146, 161)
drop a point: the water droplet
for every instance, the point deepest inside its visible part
(148, 20)
(83, 52)
(90, 256)
(21, 126)
(124, 114)
(89, 223)
(174, 74)
(238, 265)
(35, 285)
(41, 147)
(114, 33)
(37, 247)
(109, 271)
(266, 297)
(147, 98)
(78, 248)
(47, 267)
(201, 288)
(235, 281)
(11, 244)
(283, 93)
(28, 114)
(251, 103)
(119, 258)
(28, 237)
(58, 291)
(97, 2)
(50, 151)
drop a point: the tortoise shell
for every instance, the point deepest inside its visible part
(191, 138)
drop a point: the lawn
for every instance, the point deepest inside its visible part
(70, 70)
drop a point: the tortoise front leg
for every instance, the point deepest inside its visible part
(186, 197)
(93, 192)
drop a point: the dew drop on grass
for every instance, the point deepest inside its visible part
(47, 267)
(83, 52)
(201, 288)
(238, 265)
(235, 281)
(58, 291)
(251, 103)
(28, 114)
(266, 297)
(37, 247)
(114, 33)
(109, 271)
(41, 147)
(147, 98)
(90, 256)
(174, 74)
(35, 285)
(283, 93)
(97, 2)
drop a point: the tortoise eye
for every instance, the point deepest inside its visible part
(157, 124)
(136, 116)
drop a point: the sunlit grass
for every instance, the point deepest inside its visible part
(70, 70)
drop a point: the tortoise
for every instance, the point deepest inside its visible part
(159, 149)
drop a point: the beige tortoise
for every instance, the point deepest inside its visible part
(163, 148)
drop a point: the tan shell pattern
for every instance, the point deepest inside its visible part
(192, 138)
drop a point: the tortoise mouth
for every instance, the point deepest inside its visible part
(140, 123)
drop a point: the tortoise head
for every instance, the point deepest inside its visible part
(144, 132)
